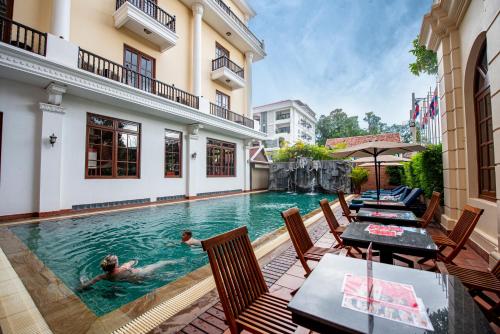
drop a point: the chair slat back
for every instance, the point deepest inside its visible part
(298, 233)
(331, 220)
(236, 271)
(344, 206)
(463, 229)
(431, 209)
(496, 270)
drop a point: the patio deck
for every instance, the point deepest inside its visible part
(284, 274)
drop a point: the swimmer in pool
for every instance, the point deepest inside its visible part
(187, 238)
(124, 273)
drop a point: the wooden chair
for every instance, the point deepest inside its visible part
(345, 207)
(429, 213)
(458, 236)
(243, 292)
(302, 241)
(478, 283)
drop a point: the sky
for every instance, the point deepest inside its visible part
(349, 54)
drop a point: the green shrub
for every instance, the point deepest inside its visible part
(395, 174)
(359, 175)
(315, 152)
(425, 170)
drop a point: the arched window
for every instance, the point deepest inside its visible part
(484, 129)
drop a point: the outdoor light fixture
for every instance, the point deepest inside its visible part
(148, 32)
(52, 139)
(194, 155)
(228, 33)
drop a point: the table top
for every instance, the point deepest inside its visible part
(318, 303)
(369, 213)
(411, 237)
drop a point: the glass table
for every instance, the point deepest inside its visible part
(410, 241)
(397, 217)
(318, 304)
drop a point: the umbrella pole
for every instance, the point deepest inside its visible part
(377, 185)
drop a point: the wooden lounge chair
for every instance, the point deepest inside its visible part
(426, 219)
(302, 241)
(243, 292)
(458, 236)
(479, 283)
(405, 204)
(345, 207)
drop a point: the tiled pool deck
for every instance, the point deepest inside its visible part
(283, 274)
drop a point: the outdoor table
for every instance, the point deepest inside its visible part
(318, 304)
(413, 241)
(396, 217)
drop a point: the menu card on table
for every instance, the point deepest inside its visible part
(385, 299)
(386, 230)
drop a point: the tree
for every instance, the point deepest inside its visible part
(375, 126)
(426, 60)
(337, 124)
(404, 131)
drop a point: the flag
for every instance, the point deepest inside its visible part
(431, 107)
(436, 102)
(417, 110)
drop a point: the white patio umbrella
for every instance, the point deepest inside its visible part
(382, 158)
(375, 150)
(383, 164)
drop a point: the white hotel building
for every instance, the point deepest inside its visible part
(123, 102)
(290, 120)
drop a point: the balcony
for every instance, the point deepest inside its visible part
(22, 36)
(228, 73)
(148, 20)
(93, 63)
(231, 116)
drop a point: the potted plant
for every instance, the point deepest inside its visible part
(358, 176)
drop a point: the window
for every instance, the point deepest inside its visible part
(220, 51)
(484, 129)
(263, 122)
(282, 115)
(112, 148)
(223, 100)
(173, 153)
(284, 129)
(221, 158)
(142, 69)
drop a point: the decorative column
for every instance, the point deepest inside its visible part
(247, 144)
(49, 197)
(61, 18)
(194, 161)
(197, 16)
(248, 78)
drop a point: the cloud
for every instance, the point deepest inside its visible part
(340, 54)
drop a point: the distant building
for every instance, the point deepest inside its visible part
(291, 120)
(352, 141)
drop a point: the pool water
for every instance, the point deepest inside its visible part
(73, 248)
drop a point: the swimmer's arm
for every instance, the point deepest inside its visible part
(93, 281)
(130, 264)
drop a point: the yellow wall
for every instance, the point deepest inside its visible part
(92, 28)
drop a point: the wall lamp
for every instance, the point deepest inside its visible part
(194, 155)
(52, 139)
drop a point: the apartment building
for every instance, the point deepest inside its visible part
(117, 102)
(290, 121)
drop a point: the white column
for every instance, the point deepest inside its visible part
(61, 18)
(194, 161)
(49, 197)
(248, 76)
(197, 15)
(247, 144)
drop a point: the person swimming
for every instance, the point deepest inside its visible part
(124, 273)
(187, 238)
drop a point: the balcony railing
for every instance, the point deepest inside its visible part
(106, 68)
(229, 115)
(153, 10)
(238, 21)
(224, 61)
(22, 36)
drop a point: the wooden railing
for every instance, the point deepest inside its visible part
(106, 68)
(238, 21)
(22, 36)
(153, 10)
(229, 115)
(224, 61)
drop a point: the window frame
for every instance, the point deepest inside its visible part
(220, 145)
(114, 145)
(218, 46)
(140, 55)
(180, 155)
(218, 92)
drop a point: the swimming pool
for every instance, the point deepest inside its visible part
(73, 248)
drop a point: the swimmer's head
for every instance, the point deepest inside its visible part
(109, 263)
(186, 235)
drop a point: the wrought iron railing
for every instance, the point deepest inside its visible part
(229, 115)
(21, 36)
(106, 68)
(152, 9)
(238, 21)
(224, 61)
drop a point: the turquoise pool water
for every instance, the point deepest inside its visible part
(73, 248)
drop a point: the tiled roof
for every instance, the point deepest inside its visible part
(352, 141)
